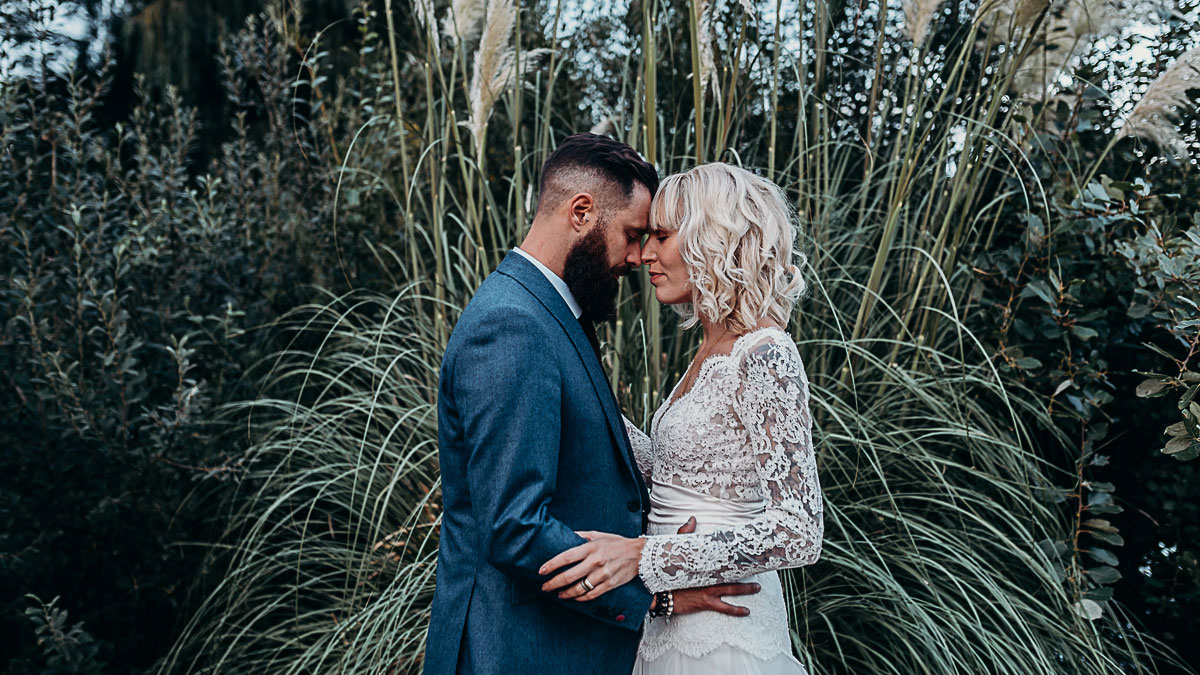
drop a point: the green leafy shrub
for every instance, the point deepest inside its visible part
(67, 649)
(134, 293)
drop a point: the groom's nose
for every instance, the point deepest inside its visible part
(633, 257)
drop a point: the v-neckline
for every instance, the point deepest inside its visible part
(672, 401)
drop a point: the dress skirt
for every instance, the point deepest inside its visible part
(724, 660)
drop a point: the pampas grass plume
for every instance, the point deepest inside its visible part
(464, 20)
(1008, 19)
(1155, 117)
(1070, 28)
(918, 15)
(708, 68)
(424, 14)
(495, 66)
(605, 127)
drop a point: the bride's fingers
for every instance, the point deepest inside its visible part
(606, 579)
(596, 577)
(571, 555)
(596, 592)
(571, 576)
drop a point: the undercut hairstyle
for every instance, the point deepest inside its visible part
(601, 166)
(737, 235)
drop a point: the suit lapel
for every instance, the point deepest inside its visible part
(523, 272)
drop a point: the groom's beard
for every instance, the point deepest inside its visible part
(593, 283)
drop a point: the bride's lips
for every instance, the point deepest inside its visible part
(655, 276)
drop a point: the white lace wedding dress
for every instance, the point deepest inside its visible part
(735, 452)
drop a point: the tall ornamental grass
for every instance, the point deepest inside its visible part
(947, 526)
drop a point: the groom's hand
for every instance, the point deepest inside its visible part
(709, 599)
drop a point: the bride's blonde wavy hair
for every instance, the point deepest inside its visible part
(737, 236)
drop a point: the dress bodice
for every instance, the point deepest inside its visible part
(740, 437)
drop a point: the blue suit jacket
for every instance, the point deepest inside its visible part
(532, 448)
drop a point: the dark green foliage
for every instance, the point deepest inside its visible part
(133, 295)
(1095, 290)
(66, 649)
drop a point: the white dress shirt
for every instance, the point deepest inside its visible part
(558, 284)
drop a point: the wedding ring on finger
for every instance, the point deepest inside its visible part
(587, 585)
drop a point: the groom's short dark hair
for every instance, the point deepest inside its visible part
(590, 158)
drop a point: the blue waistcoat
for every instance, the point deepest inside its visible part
(532, 449)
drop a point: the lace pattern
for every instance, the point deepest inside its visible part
(742, 433)
(764, 633)
(640, 443)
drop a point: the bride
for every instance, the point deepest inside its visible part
(730, 446)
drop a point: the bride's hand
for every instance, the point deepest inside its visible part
(615, 557)
(606, 561)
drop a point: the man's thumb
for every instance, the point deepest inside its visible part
(688, 527)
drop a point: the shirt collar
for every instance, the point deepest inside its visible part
(558, 284)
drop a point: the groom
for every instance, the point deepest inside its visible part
(531, 443)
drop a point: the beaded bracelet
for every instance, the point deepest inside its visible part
(665, 605)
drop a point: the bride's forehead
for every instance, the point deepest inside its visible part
(664, 218)
(667, 211)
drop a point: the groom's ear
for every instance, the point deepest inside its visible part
(582, 212)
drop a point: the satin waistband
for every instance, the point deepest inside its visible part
(673, 505)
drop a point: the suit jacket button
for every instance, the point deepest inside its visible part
(635, 505)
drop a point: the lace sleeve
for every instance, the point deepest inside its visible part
(641, 448)
(771, 404)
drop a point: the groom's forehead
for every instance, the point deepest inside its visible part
(634, 222)
(636, 206)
